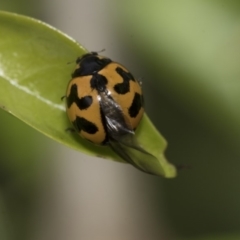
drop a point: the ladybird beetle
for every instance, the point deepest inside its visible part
(105, 105)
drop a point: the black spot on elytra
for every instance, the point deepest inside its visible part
(136, 105)
(82, 124)
(124, 87)
(72, 96)
(98, 82)
(89, 64)
(82, 103)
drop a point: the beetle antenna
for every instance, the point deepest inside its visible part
(71, 62)
(103, 50)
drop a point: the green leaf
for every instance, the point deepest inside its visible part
(36, 62)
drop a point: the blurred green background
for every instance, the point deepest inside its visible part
(187, 54)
